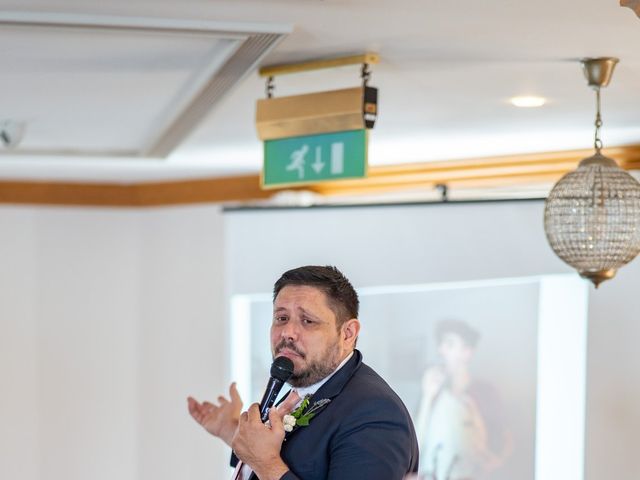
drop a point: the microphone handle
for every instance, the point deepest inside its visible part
(268, 399)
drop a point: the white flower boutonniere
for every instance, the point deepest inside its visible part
(289, 422)
(302, 415)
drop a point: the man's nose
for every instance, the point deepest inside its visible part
(289, 331)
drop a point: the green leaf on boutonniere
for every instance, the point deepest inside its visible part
(304, 413)
(304, 420)
(297, 413)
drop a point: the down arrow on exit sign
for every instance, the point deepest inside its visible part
(315, 158)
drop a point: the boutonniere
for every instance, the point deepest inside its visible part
(302, 415)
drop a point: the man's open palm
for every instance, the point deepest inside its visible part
(219, 420)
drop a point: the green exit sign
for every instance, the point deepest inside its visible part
(314, 158)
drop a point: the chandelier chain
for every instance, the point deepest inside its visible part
(597, 142)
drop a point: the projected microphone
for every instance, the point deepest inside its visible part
(281, 371)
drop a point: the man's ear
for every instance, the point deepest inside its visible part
(350, 330)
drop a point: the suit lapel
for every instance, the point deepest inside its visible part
(335, 384)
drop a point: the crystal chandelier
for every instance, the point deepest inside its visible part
(592, 215)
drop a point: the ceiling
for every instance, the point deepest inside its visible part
(97, 103)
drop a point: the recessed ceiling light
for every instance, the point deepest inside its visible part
(528, 101)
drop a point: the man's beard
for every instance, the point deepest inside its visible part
(314, 370)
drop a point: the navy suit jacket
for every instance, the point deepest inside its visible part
(365, 432)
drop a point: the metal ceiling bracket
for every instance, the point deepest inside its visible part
(269, 87)
(598, 71)
(275, 70)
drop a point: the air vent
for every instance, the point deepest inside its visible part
(120, 86)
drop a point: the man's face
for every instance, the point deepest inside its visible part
(304, 330)
(454, 351)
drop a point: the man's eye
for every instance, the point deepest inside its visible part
(281, 319)
(307, 321)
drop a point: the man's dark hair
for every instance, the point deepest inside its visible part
(469, 335)
(342, 297)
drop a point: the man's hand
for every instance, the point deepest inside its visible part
(219, 420)
(258, 445)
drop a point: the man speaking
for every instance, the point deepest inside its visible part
(341, 420)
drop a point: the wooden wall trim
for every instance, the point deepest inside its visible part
(59, 193)
(468, 173)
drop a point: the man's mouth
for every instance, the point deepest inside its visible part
(289, 351)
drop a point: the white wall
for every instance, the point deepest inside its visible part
(19, 414)
(110, 319)
(613, 388)
(440, 243)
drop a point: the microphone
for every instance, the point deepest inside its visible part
(281, 371)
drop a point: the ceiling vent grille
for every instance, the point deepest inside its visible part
(120, 86)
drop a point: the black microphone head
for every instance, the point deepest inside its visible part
(282, 368)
